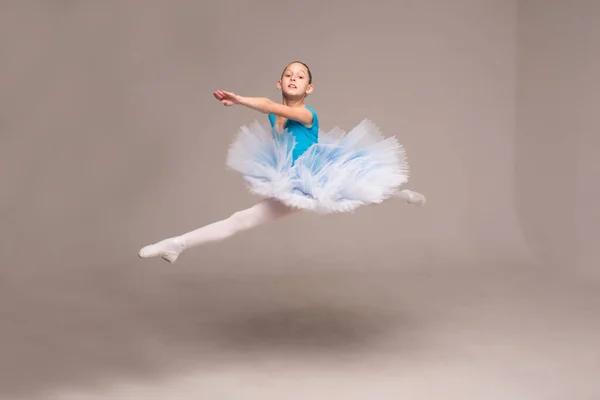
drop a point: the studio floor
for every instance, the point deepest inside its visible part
(473, 334)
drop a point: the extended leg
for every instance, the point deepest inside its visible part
(411, 197)
(266, 211)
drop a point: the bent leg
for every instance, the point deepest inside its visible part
(267, 210)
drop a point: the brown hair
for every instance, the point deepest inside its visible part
(299, 62)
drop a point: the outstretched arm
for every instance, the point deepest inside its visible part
(267, 106)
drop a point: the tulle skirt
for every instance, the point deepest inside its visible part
(340, 173)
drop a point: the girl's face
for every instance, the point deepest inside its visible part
(295, 81)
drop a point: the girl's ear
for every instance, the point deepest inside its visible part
(309, 89)
(279, 84)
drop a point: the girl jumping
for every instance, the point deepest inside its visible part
(294, 166)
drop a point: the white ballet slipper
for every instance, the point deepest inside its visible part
(168, 249)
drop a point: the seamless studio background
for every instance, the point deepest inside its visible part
(111, 139)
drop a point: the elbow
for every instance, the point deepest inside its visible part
(268, 106)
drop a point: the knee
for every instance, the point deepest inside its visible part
(240, 220)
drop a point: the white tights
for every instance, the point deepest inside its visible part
(267, 210)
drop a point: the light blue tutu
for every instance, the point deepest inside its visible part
(338, 174)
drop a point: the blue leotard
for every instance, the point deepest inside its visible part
(304, 136)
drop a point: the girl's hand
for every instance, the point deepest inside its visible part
(227, 98)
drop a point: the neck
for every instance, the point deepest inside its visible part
(292, 102)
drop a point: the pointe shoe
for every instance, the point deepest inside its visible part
(414, 198)
(168, 249)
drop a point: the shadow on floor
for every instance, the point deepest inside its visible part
(86, 329)
(303, 329)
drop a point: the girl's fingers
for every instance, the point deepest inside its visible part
(227, 98)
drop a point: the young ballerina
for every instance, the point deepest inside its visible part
(296, 167)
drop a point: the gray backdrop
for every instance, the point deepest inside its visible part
(111, 139)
